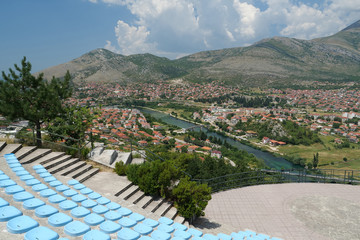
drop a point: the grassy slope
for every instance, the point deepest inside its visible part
(327, 154)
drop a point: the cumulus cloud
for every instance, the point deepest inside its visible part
(177, 27)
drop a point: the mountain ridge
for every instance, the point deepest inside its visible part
(268, 62)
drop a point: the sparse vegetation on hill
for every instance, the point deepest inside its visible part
(277, 61)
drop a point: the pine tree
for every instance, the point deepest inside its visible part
(24, 96)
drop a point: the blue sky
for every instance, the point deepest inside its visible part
(50, 32)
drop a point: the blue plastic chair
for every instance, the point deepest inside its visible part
(103, 200)
(50, 179)
(112, 215)
(9, 212)
(47, 193)
(69, 193)
(166, 220)
(57, 198)
(14, 189)
(45, 175)
(179, 226)
(127, 234)
(22, 173)
(26, 177)
(3, 203)
(86, 191)
(80, 212)
(137, 217)
(59, 219)
(45, 211)
(36, 167)
(160, 235)
(41, 233)
(127, 222)
(76, 228)
(210, 237)
(195, 232)
(32, 182)
(224, 236)
(182, 234)
(151, 222)
(72, 182)
(55, 183)
(96, 235)
(33, 203)
(93, 219)
(62, 188)
(109, 227)
(124, 211)
(165, 228)
(100, 209)
(3, 177)
(21, 224)
(88, 203)
(113, 206)
(39, 187)
(22, 196)
(143, 229)
(67, 205)
(79, 186)
(7, 183)
(94, 195)
(78, 198)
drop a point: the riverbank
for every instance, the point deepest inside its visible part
(272, 162)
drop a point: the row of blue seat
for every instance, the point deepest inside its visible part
(93, 210)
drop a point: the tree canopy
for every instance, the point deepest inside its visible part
(25, 96)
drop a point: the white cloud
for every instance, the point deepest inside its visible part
(176, 27)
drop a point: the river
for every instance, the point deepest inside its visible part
(271, 161)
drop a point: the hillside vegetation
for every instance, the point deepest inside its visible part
(270, 62)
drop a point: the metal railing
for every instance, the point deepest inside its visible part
(222, 183)
(263, 176)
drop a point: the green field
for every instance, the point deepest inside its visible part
(329, 156)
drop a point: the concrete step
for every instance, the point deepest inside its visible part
(136, 197)
(78, 172)
(37, 154)
(144, 201)
(179, 219)
(2, 145)
(50, 157)
(64, 165)
(169, 206)
(131, 190)
(10, 148)
(25, 151)
(50, 164)
(160, 209)
(126, 187)
(171, 213)
(89, 174)
(72, 168)
(153, 204)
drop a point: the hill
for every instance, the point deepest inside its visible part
(271, 62)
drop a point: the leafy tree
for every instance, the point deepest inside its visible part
(22, 95)
(71, 126)
(316, 160)
(191, 198)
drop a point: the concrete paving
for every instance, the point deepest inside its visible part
(294, 211)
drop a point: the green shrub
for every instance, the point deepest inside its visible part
(191, 198)
(120, 168)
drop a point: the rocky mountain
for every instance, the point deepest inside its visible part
(272, 62)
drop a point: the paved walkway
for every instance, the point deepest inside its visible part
(294, 211)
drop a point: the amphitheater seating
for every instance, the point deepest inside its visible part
(51, 209)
